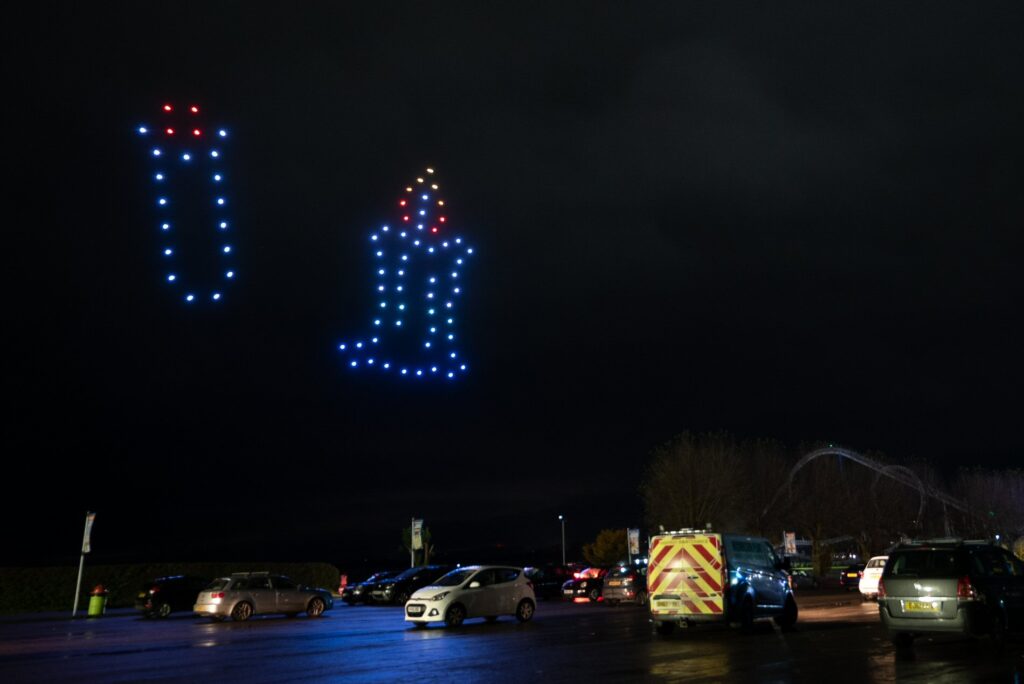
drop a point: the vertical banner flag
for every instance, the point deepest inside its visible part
(790, 543)
(417, 534)
(86, 538)
(634, 541)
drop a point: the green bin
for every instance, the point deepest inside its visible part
(97, 601)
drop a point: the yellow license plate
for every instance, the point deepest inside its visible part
(921, 607)
(851, 574)
(614, 583)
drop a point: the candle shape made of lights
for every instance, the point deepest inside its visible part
(186, 157)
(418, 264)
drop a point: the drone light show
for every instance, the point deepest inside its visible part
(190, 203)
(418, 265)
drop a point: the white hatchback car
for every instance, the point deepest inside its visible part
(471, 592)
(869, 580)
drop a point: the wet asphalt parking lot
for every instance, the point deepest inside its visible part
(838, 638)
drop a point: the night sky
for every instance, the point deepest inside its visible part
(781, 220)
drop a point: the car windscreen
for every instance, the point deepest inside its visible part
(455, 577)
(411, 572)
(217, 584)
(924, 564)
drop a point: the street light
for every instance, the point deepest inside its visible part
(562, 519)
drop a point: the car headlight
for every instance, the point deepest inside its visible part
(440, 597)
(583, 585)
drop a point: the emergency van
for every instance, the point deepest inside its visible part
(697, 576)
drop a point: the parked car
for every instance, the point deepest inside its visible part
(245, 594)
(548, 579)
(625, 584)
(698, 576)
(166, 595)
(849, 578)
(801, 579)
(951, 586)
(360, 592)
(399, 588)
(869, 579)
(472, 592)
(586, 584)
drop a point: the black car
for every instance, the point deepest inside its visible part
(547, 580)
(586, 584)
(360, 592)
(166, 595)
(398, 589)
(849, 578)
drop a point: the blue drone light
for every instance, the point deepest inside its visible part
(408, 280)
(178, 134)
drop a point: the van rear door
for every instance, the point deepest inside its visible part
(686, 575)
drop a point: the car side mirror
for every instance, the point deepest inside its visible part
(474, 585)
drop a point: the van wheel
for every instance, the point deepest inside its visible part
(789, 613)
(164, 610)
(665, 628)
(745, 617)
(593, 595)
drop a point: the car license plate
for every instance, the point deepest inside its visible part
(614, 583)
(415, 610)
(851, 574)
(567, 592)
(921, 607)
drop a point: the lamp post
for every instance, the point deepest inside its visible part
(562, 519)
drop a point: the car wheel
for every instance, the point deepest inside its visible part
(524, 611)
(455, 615)
(997, 631)
(593, 595)
(789, 613)
(241, 612)
(641, 598)
(665, 628)
(163, 610)
(315, 607)
(902, 639)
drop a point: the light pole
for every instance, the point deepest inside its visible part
(562, 519)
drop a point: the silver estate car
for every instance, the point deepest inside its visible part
(953, 586)
(245, 594)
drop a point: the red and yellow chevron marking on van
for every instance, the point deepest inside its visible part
(686, 575)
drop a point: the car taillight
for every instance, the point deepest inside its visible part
(964, 589)
(575, 575)
(860, 573)
(219, 594)
(154, 590)
(881, 588)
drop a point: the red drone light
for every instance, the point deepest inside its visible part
(405, 218)
(195, 132)
(170, 131)
(167, 108)
(441, 219)
(195, 110)
(434, 229)
(401, 203)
